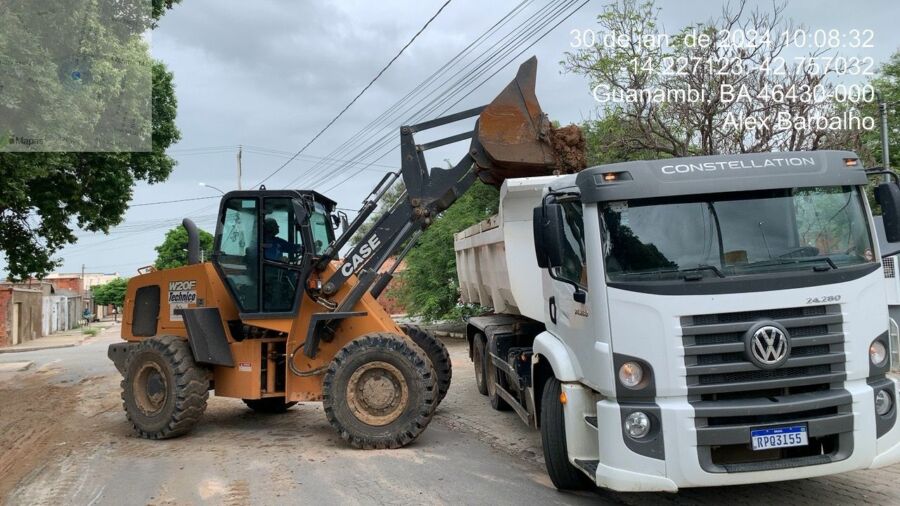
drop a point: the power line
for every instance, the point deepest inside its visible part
(175, 201)
(358, 95)
(388, 118)
(517, 41)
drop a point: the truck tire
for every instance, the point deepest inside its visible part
(164, 391)
(379, 392)
(436, 352)
(269, 405)
(478, 361)
(563, 474)
(494, 380)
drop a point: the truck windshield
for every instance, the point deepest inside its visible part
(734, 234)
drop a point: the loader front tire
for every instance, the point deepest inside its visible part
(379, 392)
(269, 405)
(436, 352)
(164, 391)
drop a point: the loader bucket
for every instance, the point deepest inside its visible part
(515, 133)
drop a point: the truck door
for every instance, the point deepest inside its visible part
(564, 316)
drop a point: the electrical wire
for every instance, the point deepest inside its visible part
(341, 113)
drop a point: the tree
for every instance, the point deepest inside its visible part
(173, 250)
(429, 285)
(45, 194)
(111, 293)
(675, 127)
(886, 82)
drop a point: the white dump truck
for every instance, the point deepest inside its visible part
(689, 322)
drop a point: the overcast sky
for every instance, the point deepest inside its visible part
(270, 74)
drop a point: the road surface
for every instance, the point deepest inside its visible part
(65, 440)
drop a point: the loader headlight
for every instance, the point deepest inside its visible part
(877, 353)
(637, 424)
(631, 374)
(883, 402)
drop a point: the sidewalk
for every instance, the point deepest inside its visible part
(67, 339)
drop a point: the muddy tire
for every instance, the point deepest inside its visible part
(379, 392)
(436, 352)
(269, 405)
(478, 361)
(164, 391)
(494, 380)
(563, 474)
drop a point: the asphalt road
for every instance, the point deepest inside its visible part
(65, 440)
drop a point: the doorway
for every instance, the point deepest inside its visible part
(16, 315)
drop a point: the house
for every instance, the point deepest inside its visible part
(21, 313)
(78, 282)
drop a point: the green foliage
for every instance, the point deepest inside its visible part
(110, 294)
(173, 250)
(430, 288)
(45, 194)
(887, 82)
(91, 331)
(604, 142)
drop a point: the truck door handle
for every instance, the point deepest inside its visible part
(553, 309)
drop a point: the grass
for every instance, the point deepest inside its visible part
(91, 331)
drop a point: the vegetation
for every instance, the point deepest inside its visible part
(429, 286)
(46, 194)
(111, 293)
(173, 250)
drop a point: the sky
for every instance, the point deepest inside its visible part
(270, 74)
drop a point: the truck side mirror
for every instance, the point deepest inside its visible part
(549, 235)
(888, 197)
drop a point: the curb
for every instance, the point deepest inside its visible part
(39, 348)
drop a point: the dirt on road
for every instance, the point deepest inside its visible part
(65, 440)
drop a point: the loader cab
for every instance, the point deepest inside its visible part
(266, 242)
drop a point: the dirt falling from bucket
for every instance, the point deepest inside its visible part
(569, 146)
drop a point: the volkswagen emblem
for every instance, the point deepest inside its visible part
(768, 345)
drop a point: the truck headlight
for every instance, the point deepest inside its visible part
(883, 402)
(631, 374)
(637, 424)
(877, 353)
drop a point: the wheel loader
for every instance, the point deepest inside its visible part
(279, 316)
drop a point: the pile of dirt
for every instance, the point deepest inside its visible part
(570, 149)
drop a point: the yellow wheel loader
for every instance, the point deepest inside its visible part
(276, 317)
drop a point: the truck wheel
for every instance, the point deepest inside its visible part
(563, 474)
(493, 379)
(163, 390)
(269, 404)
(478, 360)
(436, 352)
(379, 392)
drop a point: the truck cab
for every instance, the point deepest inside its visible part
(702, 321)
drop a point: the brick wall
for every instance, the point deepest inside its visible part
(70, 284)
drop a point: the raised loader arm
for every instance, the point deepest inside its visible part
(510, 139)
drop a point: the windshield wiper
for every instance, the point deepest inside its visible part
(785, 261)
(690, 273)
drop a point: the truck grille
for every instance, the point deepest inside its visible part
(732, 396)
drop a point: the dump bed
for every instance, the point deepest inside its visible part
(485, 252)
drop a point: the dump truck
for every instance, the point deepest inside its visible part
(282, 313)
(690, 322)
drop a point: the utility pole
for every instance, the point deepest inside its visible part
(240, 150)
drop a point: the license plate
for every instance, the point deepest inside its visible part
(781, 437)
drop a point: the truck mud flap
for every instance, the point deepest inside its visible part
(206, 334)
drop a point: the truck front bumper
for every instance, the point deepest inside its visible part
(684, 463)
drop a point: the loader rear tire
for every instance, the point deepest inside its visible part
(269, 405)
(436, 352)
(164, 391)
(563, 474)
(379, 392)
